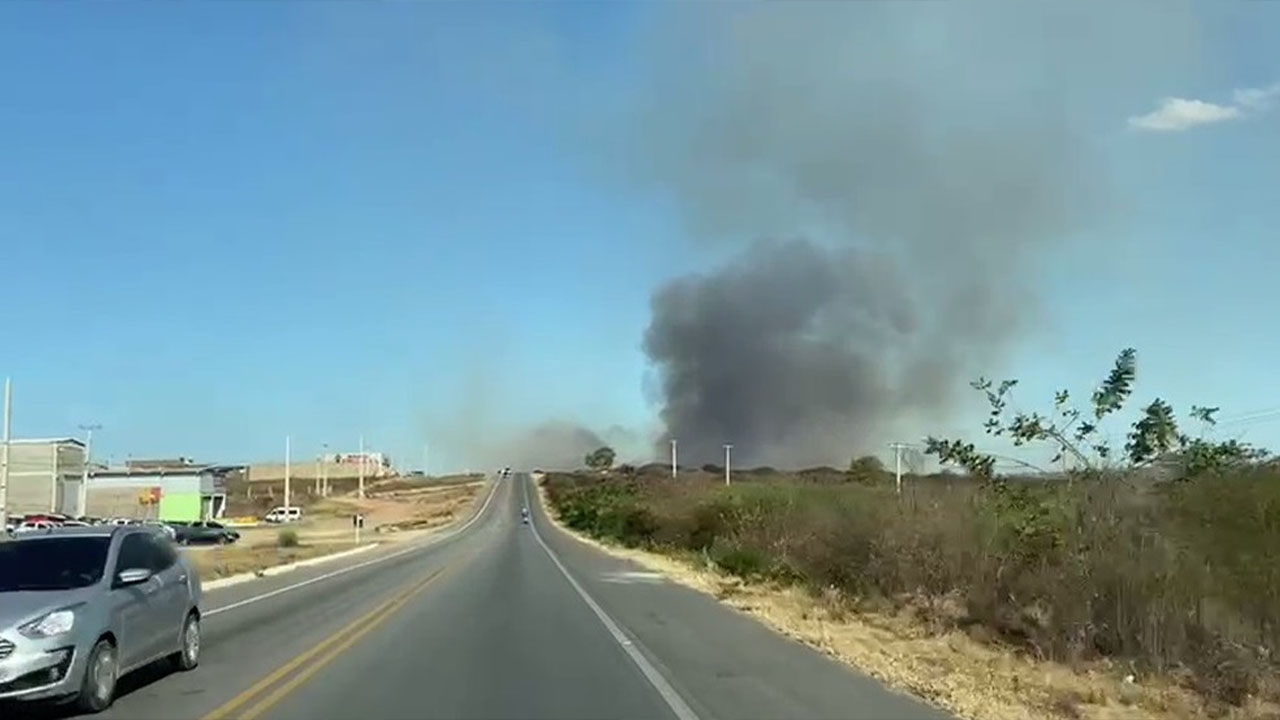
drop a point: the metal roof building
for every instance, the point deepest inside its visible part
(195, 492)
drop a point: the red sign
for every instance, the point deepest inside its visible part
(150, 496)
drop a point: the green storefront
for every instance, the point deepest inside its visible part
(179, 494)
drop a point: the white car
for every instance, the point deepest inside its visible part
(284, 515)
(34, 526)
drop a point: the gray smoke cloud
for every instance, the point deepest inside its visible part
(899, 172)
(555, 444)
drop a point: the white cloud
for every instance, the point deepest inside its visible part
(1176, 114)
(1256, 98)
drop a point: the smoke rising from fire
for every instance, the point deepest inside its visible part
(895, 174)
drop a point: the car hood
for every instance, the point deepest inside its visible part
(20, 607)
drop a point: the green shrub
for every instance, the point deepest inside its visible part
(287, 538)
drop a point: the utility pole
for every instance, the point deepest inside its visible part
(360, 490)
(88, 456)
(324, 470)
(315, 479)
(897, 464)
(426, 460)
(673, 458)
(286, 471)
(4, 456)
(727, 449)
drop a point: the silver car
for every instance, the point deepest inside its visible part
(80, 607)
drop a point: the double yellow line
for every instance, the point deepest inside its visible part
(270, 690)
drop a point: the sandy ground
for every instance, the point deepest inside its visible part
(327, 529)
(969, 677)
(386, 515)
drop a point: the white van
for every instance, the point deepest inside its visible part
(284, 515)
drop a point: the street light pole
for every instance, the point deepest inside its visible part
(673, 458)
(727, 449)
(360, 490)
(88, 456)
(4, 457)
(324, 470)
(897, 465)
(286, 471)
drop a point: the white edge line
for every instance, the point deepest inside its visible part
(669, 694)
(311, 581)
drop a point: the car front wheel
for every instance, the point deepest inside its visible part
(98, 689)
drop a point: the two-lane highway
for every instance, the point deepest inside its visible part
(497, 620)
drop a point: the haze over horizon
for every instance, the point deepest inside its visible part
(514, 231)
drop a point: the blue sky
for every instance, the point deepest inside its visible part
(221, 224)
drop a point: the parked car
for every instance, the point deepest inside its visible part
(203, 531)
(81, 607)
(284, 515)
(30, 526)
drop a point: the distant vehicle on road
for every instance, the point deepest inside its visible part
(284, 515)
(524, 515)
(203, 531)
(80, 607)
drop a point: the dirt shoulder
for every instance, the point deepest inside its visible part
(327, 530)
(972, 677)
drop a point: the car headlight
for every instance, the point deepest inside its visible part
(55, 623)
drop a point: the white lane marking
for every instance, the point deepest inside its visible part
(676, 703)
(627, 578)
(428, 543)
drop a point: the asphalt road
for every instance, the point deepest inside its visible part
(497, 620)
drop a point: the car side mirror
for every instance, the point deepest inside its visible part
(132, 576)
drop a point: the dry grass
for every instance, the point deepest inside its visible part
(968, 672)
(434, 508)
(328, 520)
(225, 561)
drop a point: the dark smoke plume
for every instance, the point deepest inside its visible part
(928, 156)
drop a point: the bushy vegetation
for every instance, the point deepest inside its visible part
(1167, 560)
(600, 459)
(287, 538)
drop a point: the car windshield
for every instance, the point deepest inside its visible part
(55, 563)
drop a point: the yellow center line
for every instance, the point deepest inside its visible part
(372, 616)
(307, 673)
